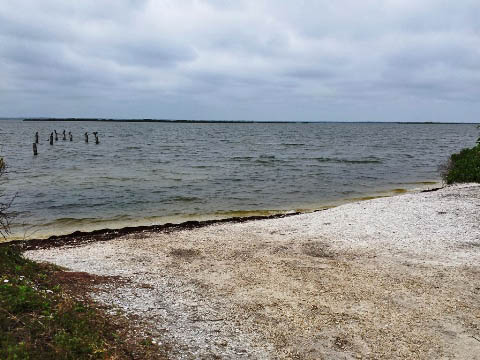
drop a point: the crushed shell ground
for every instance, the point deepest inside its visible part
(390, 278)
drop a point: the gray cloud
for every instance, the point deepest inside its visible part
(309, 60)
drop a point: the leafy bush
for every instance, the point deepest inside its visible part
(464, 166)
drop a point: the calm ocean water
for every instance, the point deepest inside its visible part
(152, 173)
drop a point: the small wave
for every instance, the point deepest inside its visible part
(205, 166)
(267, 160)
(116, 178)
(64, 206)
(293, 144)
(162, 191)
(241, 158)
(186, 199)
(348, 161)
(75, 222)
(264, 162)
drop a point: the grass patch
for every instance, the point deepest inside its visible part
(41, 320)
(463, 167)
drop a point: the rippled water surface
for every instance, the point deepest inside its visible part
(144, 173)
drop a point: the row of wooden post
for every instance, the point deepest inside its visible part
(35, 150)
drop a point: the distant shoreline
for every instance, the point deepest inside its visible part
(167, 121)
(186, 121)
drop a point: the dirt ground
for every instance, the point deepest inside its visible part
(394, 278)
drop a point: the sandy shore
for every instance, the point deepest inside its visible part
(390, 278)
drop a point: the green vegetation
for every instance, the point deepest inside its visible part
(40, 320)
(4, 217)
(463, 166)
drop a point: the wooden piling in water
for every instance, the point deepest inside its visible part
(35, 153)
(36, 137)
(51, 138)
(64, 135)
(86, 137)
(70, 136)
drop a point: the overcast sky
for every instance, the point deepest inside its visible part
(335, 60)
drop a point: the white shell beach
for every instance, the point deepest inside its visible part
(389, 278)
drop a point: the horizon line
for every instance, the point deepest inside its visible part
(203, 121)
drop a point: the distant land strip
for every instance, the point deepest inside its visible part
(241, 121)
(165, 121)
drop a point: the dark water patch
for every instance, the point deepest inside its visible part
(160, 191)
(204, 166)
(221, 181)
(71, 221)
(80, 222)
(269, 162)
(185, 199)
(61, 206)
(367, 177)
(348, 161)
(113, 178)
(242, 158)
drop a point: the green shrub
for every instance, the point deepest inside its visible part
(463, 167)
(39, 320)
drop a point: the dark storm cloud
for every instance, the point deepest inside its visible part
(306, 60)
